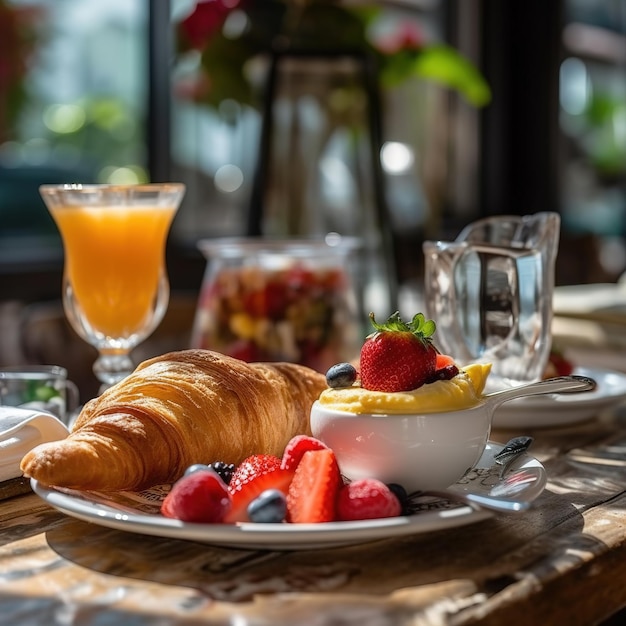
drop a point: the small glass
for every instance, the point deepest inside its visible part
(115, 286)
(279, 300)
(39, 387)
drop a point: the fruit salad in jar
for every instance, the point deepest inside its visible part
(274, 302)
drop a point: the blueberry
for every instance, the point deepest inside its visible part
(341, 375)
(269, 507)
(198, 467)
(400, 492)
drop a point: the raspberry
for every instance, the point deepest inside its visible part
(200, 497)
(367, 498)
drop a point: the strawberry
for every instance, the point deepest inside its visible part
(245, 350)
(275, 297)
(252, 466)
(398, 356)
(445, 368)
(301, 278)
(244, 492)
(443, 360)
(367, 498)
(558, 365)
(200, 497)
(313, 490)
(295, 449)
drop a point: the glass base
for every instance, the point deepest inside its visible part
(111, 368)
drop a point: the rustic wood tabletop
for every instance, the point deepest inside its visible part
(561, 562)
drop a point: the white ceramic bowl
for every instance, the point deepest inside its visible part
(420, 451)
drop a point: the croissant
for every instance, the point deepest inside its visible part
(175, 410)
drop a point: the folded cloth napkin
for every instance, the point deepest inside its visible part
(20, 431)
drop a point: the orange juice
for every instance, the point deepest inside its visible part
(114, 257)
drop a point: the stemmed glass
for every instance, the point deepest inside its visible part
(115, 285)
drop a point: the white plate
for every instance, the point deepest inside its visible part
(562, 409)
(138, 512)
(589, 298)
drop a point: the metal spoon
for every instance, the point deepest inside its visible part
(502, 496)
(558, 384)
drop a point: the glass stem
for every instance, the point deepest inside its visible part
(111, 367)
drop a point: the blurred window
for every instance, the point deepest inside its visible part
(318, 171)
(73, 106)
(593, 124)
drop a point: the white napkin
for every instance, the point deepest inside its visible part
(20, 431)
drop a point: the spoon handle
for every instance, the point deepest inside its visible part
(494, 503)
(508, 495)
(512, 449)
(559, 384)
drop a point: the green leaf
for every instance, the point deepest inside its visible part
(428, 330)
(224, 62)
(446, 66)
(419, 325)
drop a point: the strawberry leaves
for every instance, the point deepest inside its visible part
(419, 326)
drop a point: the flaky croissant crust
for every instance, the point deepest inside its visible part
(181, 408)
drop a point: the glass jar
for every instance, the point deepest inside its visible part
(280, 300)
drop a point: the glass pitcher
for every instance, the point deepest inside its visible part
(280, 300)
(490, 292)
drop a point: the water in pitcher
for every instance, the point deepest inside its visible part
(490, 293)
(499, 298)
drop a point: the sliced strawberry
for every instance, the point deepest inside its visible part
(243, 493)
(200, 497)
(314, 488)
(443, 360)
(252, 466)
(296, 448)
(367, 498)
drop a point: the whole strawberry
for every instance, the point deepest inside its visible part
(398, 356)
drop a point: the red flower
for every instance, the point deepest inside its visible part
(407, 36)
(207, 19)
(18, 43)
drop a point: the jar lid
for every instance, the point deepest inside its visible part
(333, 244)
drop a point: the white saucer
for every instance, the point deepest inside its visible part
(563, 409)
(138, 512)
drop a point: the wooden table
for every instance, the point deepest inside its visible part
(562, 562)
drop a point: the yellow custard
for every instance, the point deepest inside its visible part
(461, 392)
